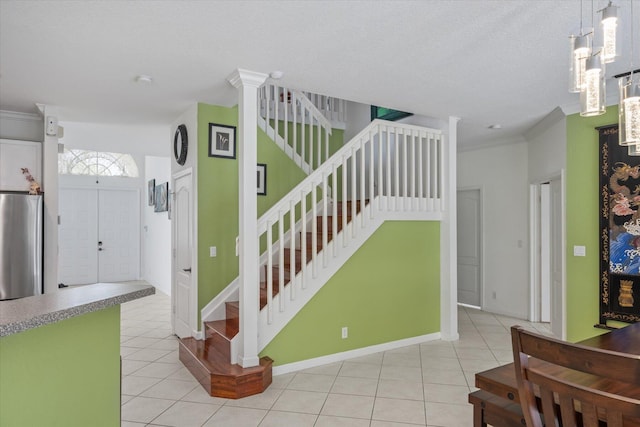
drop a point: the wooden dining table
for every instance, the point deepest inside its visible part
(497, 402)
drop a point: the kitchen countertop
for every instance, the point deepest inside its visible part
(31, 312)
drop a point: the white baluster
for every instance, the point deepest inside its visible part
(371, 171)
(325, 230)
(397, 170)
(326, 145)
(429, 174)
(311, 142)
(314, 229)
(303, 238)
(303, 129)
(345, 178)
(412, 139)
(294, 103)
(362, 183)
(388, 170)
(441, 173)
(379, 165)
(292, 249)
(334, 208)
(286, 115)
(405, 166)
(420, 172)
(354, 195)
(319, 146)
(270, 271)
(281, 260)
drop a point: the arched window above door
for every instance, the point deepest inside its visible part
(96, 163)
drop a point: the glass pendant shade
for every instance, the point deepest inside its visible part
(580, 51)
(592, 96)
(609, 29)
(629, 110)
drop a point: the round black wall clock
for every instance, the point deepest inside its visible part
(180, 144)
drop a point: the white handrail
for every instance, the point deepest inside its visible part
(409, 178)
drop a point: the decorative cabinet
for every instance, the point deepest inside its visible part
(15, 155)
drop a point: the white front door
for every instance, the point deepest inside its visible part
(118, 235)
(469, 248)
(77, 236)
(183, 293)
(99, 235)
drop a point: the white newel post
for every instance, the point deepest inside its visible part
(448, 240)
(247, 83)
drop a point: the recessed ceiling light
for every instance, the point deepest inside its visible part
(143, 78)
(496, 126)
(276, 75)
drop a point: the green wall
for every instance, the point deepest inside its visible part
(582, 195)
(388, 290)
(64, 374)
(218, 198)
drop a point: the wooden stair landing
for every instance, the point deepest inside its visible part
(208, 360)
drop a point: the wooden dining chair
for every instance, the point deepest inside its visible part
(573, 398)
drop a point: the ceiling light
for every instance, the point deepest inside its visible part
(144, 79)
(276, 75)
(629, 106)
(592, 95)
(629, 109)
(580, 51)
(609, 28)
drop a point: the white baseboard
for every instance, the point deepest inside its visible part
(338, 357)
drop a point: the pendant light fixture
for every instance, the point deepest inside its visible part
(592, 96)
(580, 51)
(580, 48)
(629, 109)
(609, 24)
(629, 106)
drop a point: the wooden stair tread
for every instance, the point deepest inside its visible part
(228, 328)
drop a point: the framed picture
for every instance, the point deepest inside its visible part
(222, 141)
(151, 192)
(162, 197)
(262, 179)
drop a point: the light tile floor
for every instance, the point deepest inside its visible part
(424, 385)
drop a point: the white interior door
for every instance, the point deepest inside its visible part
(77, 236)
(545, 253)
(469, 248)
(99, 235)
(556, 249)
(118, 235)
(183, 292)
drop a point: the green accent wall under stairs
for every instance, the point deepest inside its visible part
(388, 290)
(65, 374)
(582, 216)
(217, 202)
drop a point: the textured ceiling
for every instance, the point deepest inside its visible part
(486, 62)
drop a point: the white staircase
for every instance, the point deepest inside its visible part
(389, 171)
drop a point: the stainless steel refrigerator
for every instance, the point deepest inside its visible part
(21, 248)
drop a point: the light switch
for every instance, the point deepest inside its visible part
(212, 251)
(579, 251)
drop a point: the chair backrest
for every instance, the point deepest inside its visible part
(573, 398)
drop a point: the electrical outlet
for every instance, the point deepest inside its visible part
(212, 251)
(345, 332)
